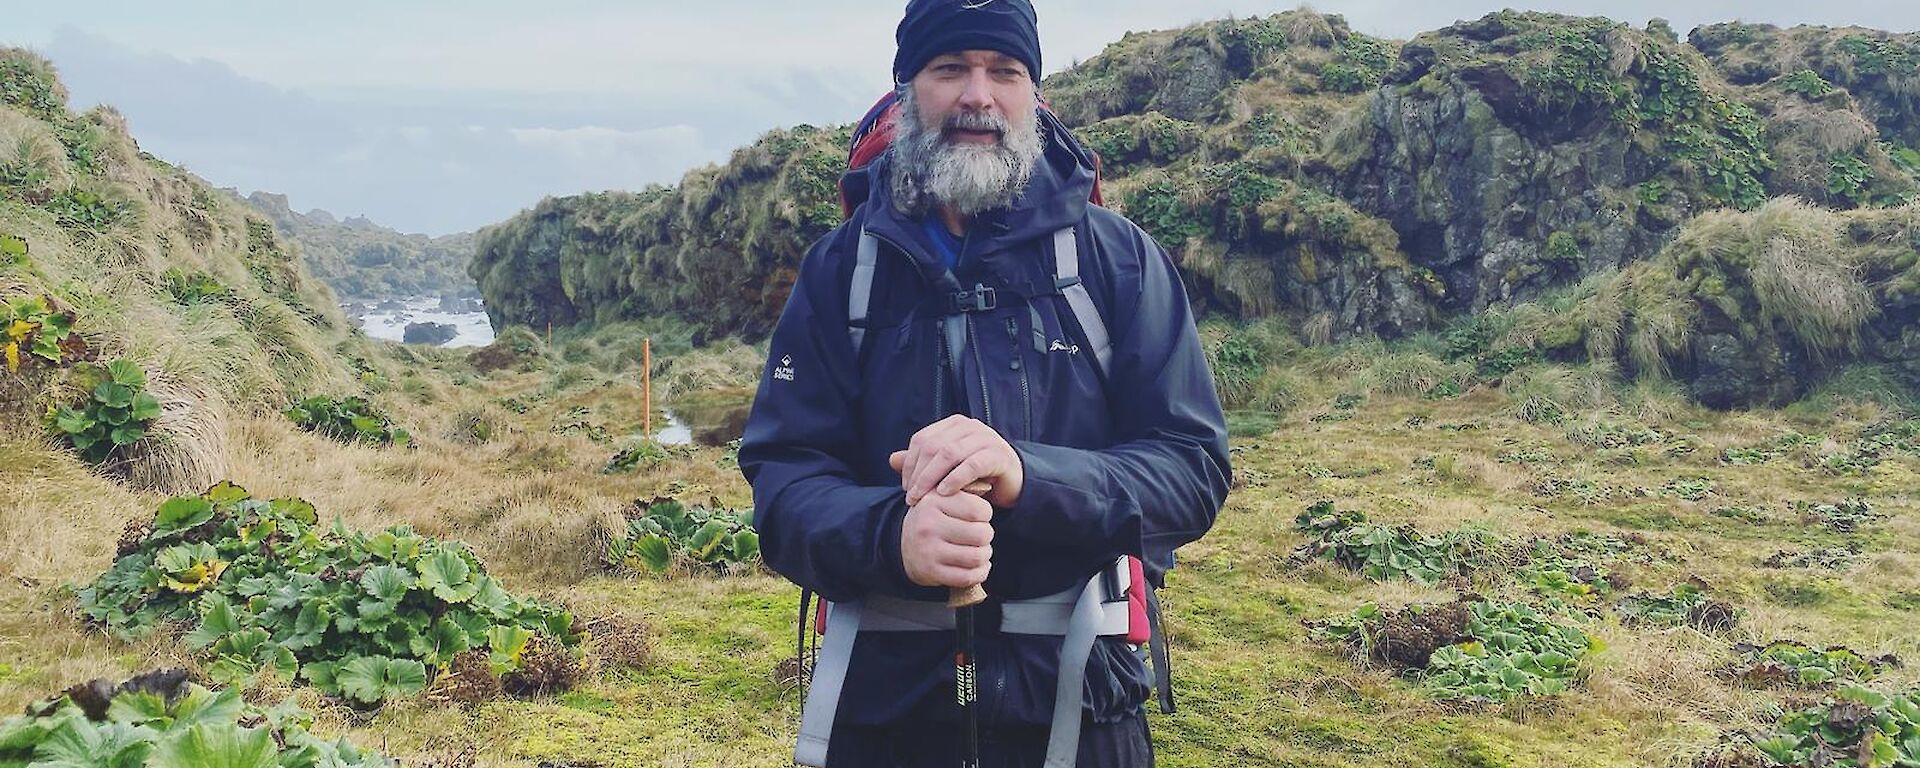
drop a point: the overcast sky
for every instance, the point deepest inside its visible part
(445, 116)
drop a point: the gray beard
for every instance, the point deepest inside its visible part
(928, 170)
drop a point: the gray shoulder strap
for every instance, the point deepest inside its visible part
(829, 676)
(1066, 272)
(1063, 741)
(861, 291)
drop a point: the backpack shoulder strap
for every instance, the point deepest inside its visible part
(1066, 274)
(860, 293)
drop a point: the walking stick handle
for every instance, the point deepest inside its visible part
(974, 595)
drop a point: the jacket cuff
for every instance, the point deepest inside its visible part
(892, 567)
(1060, 496)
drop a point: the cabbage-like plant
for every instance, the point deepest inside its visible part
(659, 531)
(261, 587)
(116, 414)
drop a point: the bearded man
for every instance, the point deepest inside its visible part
(981, 378)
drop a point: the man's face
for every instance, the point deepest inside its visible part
(953, 87)
(967, 134)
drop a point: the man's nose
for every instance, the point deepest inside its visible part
(977, 96)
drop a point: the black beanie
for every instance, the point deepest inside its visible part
(934, 27)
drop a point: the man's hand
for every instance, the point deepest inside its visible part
(948, 455)
(946, 541)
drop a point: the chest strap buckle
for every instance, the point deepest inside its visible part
(980, 298)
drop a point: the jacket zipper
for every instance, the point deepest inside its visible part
(950, 360)
(986, 398)
(941, 366)
(1026, 392)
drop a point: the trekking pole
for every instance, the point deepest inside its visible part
(966, 690)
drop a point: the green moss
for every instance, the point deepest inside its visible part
(1562, 246)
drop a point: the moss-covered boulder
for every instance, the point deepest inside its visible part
(720, 250)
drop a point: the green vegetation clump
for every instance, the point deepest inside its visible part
(261, 586)
(349, 420)
(27, 82)
(1780, 445)
(1687, 604)
(1859, 728)
(1481, 340)
(1846, 516)
(1807, 83)
(1359, 64)
(161, 720)
(1385, 553)
(1516, 650)
(1849, 178)
(644, 453)
(1690, 488)
(1828, 558)
(13, 252)
(1554, 569)
(1471, 650)
(115, 414)
(1610, 434)
(194, 287)
(36, 333)
(1796, 664)
(1875, 444)
(661, 532)
(719, 251)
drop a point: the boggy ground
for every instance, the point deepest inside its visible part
(1255, 686)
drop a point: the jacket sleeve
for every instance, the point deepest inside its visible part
(1164, 480)
(819, 526)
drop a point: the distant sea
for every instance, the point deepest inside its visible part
(391, 324)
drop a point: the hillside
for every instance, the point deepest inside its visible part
(128, 257)
(363, 261)
(1352, 186)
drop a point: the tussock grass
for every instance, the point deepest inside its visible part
(730, 366)
(1250, 679)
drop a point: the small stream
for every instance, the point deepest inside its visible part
(714, 424)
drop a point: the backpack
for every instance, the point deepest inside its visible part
(1127, 605)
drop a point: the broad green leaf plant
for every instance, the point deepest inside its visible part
(261, 587)
(116, 413)
(159, 720)
(662, 530)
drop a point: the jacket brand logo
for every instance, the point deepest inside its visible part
(785, 371)
(975, 4)
(1061, 346)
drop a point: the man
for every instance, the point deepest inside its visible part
(969, 369)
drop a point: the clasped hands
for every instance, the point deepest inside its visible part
(947, 537)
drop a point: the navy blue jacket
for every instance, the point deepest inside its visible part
(1136, 464)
